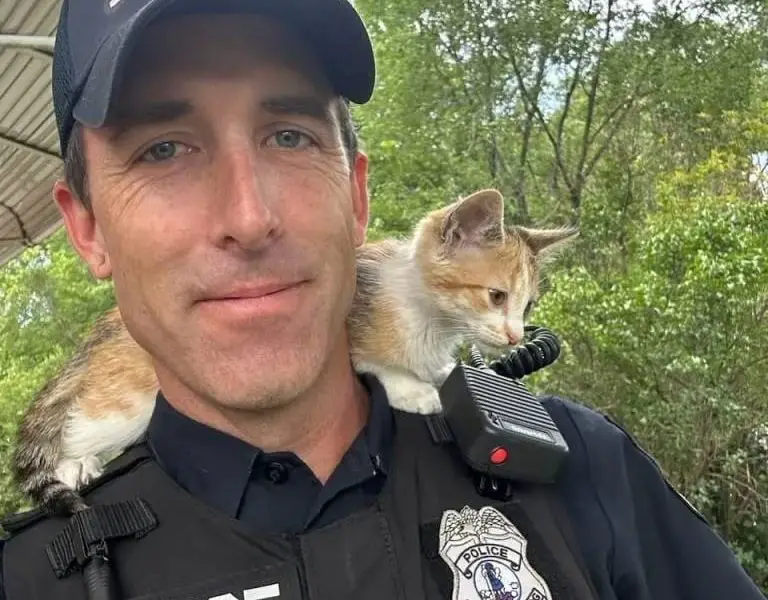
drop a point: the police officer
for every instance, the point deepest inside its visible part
(213, 173)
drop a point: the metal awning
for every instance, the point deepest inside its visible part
(29, 152)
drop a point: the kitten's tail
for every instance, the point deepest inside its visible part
(38, 455)
(38, 451)
(57, 498)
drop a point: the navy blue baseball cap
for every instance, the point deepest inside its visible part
(94, 38)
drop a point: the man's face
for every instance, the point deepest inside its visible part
(225, 210)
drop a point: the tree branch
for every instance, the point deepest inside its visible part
(608, 138)
(24, 238)
(520, 192)
(533, 105)
(454, 55)
(591, 103)
(572, 86)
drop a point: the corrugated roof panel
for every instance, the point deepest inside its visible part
(29, 160)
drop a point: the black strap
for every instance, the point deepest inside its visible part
(430, 547)
(438, 429)
(18, 521)
(543, 557)
(88, 530)
(569, 535)
(126, 461)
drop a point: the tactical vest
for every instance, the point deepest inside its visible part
(429, 536)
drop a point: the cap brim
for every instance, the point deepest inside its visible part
(332, 27)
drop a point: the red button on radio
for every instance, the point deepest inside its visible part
(499, 455)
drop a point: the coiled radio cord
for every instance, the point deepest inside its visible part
(541, 350)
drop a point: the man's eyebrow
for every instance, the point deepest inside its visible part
(305, 106)
(149, 113)
(163, 111)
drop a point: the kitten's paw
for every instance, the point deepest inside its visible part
(78, 472)
(405, 391)
(443, 374)
(415, 397)
(91, 469)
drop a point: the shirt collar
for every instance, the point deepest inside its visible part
(210, 464)
(215, 466)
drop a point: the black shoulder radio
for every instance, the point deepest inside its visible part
(502, 431)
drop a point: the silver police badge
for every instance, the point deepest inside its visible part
(487, 555)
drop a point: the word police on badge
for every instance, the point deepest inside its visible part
(487, 555)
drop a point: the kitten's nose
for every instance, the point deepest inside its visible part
(514, 334)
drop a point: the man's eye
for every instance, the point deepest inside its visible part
(291, 139)
(163, 151)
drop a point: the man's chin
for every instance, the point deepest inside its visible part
(267, 378)
(259, 396)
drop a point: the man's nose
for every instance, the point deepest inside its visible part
(248, 217)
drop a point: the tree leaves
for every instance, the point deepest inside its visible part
(641, 122)
(676, 346)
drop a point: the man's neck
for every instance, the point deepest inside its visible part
(318, 427)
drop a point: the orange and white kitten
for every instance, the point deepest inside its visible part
(461, 277)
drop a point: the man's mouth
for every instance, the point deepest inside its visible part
(254, 301)
(254, 291)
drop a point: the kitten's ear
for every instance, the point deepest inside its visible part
(546, 243)
(477, 220)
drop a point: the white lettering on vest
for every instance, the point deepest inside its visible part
(259, 593)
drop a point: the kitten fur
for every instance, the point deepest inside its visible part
(463, 276)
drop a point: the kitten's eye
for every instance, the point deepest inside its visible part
(498, 297)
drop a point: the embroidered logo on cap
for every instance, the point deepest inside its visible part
(487, 555)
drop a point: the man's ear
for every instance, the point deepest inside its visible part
(83, 230)
(360, 200)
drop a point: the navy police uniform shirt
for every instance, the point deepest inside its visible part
(271, 492)
(640, 539)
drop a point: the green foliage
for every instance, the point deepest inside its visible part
(532, 97)
(47, 301)
(639, 122)
(676, 347)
